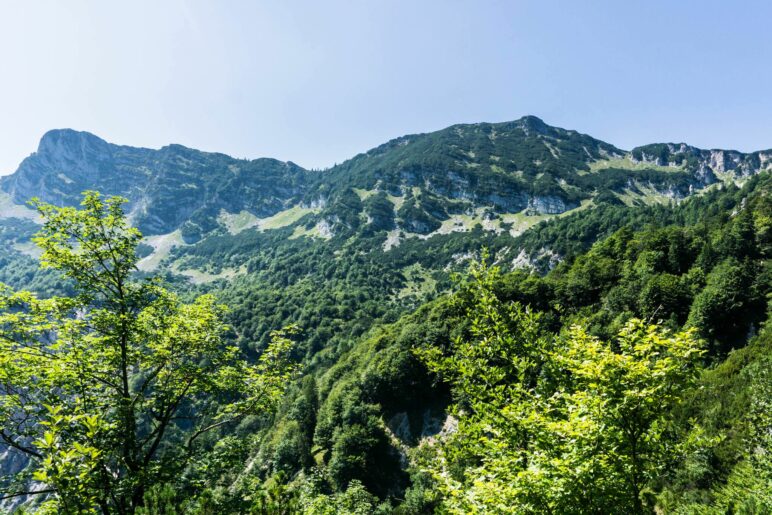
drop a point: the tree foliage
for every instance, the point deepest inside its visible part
(557, 424)
(108, 391)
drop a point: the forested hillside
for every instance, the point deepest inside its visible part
(607, 351)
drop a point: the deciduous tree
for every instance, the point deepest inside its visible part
(108, 392)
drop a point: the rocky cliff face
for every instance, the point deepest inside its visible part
(166, 188)
(705, 164)
(67, 161)
(550, 205)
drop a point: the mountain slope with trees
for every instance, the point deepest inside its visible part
(582, 238)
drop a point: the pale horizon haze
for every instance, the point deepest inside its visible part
(318, 82)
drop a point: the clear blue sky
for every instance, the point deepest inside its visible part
(318, 81)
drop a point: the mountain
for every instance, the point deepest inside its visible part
(166, 188)
(409, 211)
(524, 166)
(361, 257)
(210, 218)
(505, 166)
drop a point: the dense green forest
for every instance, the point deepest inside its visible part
(689, 266)
(511, 365)
(613, 357)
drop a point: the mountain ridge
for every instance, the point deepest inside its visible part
(523, 165)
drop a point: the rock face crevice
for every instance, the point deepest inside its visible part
(551, 205)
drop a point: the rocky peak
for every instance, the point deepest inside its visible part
(166, 188)
(72, 144)
(66, 163)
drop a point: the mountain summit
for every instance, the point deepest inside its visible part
(166, 188)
